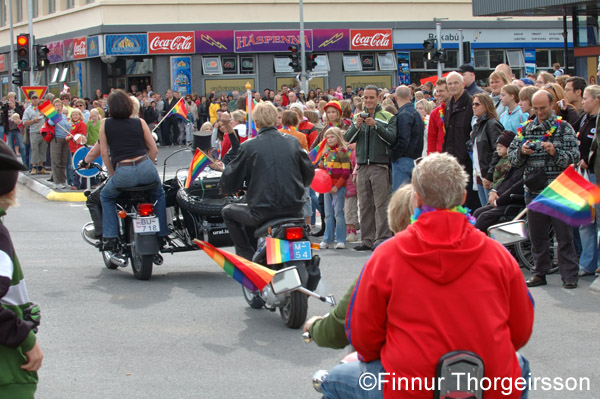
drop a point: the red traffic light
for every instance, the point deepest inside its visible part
(293, 49)
(22, 40)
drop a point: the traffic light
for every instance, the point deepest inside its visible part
(295, 56)
(41, 56)
(439, 56)
(311, 61)
(23, 52)
(17, 78)
(429, 48)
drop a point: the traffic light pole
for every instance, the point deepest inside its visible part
(31, 40)
(438, 31)
(303, 78)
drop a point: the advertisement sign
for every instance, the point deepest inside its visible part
(365, 80)
(171, 43)
(371, 39)
(214, 41)
(255, 41)
(56, 52)
(94, 46)
(126, 44)
(529, 56)
(68, 49)
(181, 75)
(403, 67)
(331, 39)
(2, 63)
(226, 85)
(79, 48)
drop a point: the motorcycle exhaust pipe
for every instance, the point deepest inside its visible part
(119, 261)
(88, 233)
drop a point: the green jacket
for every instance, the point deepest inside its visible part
(16, 335)
(373, 143)
(330, 332)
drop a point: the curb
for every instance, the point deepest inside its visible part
(595, 287)
(49, 193)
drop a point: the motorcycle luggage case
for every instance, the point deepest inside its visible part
(211, 188)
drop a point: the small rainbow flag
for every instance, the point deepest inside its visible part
(49, 111)
(179, 110)
(251, 275)
(199, 162)
(251, 127)
(569, 198)
(316, 153)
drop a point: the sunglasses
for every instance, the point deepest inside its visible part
(476, 104)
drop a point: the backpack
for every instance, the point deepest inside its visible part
(47, 132)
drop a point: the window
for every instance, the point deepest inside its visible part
(89, 1)
(515, 58)
(230, 65)
(282, 65)
(451, 59)
(368, 62)
(322, 63)
(387, 62)
(541, 59)
(19, 10)
(2, 12)
(247, 65)
(482, 59)
(557, 56)
(416, 60)
(212, 65)
(70, 4)
(35, 9)
(352, 63)
(496, 57)
(51, 6)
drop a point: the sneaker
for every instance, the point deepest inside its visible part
(324, 245)
(351, 237)
(42, 171)
(340, 245)
(34, 171)
(584, 273)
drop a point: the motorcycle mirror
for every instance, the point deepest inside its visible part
(286, 280)
(80, 139)
(509, 233)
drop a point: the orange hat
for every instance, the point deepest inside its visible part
(335, 105)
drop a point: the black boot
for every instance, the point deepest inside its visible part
(322, 231)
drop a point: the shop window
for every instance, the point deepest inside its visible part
(557, 56)
(247, 65)
(482, 59)
(368, 62)
(212, 65)
(352, 63)
(496, 57)
(282, 65)
(416, 60)
(138, 66)
(541, 58)
(451, 59)
(515, 58)
(230, 65)
(387, 62)
(322, 63)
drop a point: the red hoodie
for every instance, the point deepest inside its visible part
(436, 130)
(440, 285)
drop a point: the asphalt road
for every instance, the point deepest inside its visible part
(188, 333)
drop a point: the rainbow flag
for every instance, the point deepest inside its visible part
(199, 162)
(49, 111)
(569, 198)
(316, 153)
(251, 275)
(179, 110)
(251, 127)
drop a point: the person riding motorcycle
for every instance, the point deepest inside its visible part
(276, 170)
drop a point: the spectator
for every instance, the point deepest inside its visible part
(525, 96)
(541, 170)
(305, 126)
(424, 108)
(436, 129)
(558, 71)
(14, 137)
(560, 106)
(574, 92)
(93, 127)
(543, 79)
(497, 81)
(507, 71)
(468, 73)
(59, 147)
(513, 117)
(34, 120)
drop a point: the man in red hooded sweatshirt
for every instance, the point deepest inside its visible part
(438, 286)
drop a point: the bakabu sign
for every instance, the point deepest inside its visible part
(79, 48)
(171, 43)
(371, 39)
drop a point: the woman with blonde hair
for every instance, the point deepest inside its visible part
(498, 80)
(424, 108)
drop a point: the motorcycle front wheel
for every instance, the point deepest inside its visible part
(252, 298)
(141, 264)
(293, 313)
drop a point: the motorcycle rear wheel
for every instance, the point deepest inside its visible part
(253, 299)
(141, 264)
(107, 261)
(293, 313)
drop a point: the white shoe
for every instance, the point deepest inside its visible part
(351, 237)
(340, 245)
(324, 245)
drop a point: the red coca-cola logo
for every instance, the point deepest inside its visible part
(171, 42)
(371, 39)
(79, 47)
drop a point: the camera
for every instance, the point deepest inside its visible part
(364, 115)
(535, 146)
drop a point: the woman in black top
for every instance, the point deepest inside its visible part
(128, 151)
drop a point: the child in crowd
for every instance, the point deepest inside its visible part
(93, 127)
(337, 163)
(76, 138)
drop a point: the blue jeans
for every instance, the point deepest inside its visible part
(345, 382)
(588, 260)
(15, 139)
(401, 171)
(128, 176)
(483, 194)
(334, 209)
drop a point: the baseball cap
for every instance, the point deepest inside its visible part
(466, 68)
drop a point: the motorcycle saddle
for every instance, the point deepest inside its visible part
(147, 187)
(263, 230)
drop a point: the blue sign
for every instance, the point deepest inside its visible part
(126, 44)
(529, 54)
(93, 46)
(78, 156)
(403, 68)
(181, 75)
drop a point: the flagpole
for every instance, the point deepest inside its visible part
(249, 106)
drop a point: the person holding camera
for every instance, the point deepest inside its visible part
(374, 132)
(546, 146)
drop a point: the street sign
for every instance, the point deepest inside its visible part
(39, 90)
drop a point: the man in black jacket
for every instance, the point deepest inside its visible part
(276, 170)
(171, 122)
(409, 138)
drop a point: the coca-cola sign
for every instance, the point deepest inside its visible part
(79, 48)
(371, 39)
(171, 42)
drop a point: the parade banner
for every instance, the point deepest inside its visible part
(403, 67)
(214, 41)
(94, 46)
(331, 39)
(79, 48)
(257, 41)
(126, 44)
(226, 85)
(181, 75)
(68, 49)
(56, 52)
(171, 43)
(371, 39)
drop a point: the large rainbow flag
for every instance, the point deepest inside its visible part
(569, 198)
(49, 111)
(251, 275)
(199, 162)
(316, 153)
(179, 110)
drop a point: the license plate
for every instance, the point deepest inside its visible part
(301, 250)
(146, 225)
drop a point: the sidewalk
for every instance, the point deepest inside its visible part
(40, 184)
